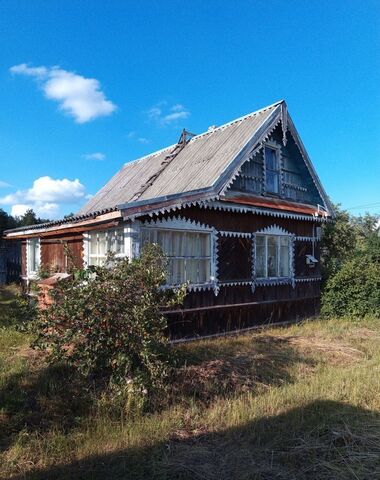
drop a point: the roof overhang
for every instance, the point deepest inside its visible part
(274, 203)
(111, 218)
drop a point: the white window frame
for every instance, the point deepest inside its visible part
(87, 242)
(33, 272)
(184, 226)
(274, 231)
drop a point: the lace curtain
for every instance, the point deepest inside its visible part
(189, 254)
(272, 256)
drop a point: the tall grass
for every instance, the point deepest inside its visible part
(288, 403)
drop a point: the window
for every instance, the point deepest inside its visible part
(188, 252)
(272, 256)
(105, 241)
(33, 256)
(272, 171)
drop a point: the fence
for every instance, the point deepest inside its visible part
(10, 261)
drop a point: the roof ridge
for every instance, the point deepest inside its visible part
(239, 119)
(200, 135)
(153, 154)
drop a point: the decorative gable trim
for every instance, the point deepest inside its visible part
(224, 233)
(238, 171)
(262, 134)
(264, 139)
(229, 207)
(177, 223)
(274, 230)
(310, 167)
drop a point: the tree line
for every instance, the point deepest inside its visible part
(8, 221)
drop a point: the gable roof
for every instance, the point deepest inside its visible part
(200, 171)
(196, 168)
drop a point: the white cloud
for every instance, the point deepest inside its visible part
(94, 156)
(78, 96)
(4, 184)
(45, 196)
(47, 189)
(19, 209)
(42, 210)
(24, 69)
(163, 114)
(133, 136)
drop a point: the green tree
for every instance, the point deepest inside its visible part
(6, 221)
(339, 241)
(351, 248)
(354, 290)
(344, 237)
(30, 218)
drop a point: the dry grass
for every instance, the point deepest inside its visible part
(301, 402)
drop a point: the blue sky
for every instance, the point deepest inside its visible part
(95, 84)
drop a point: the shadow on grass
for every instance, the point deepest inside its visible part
(227, 368)
(323, 440)
(53, 398)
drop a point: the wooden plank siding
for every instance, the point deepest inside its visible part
(245, 222)
(234, 307)
(59, 253)
(238, 307)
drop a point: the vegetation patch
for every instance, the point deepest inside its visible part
(295, 402)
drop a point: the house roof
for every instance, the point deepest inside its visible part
(196, 167)
(197, 170)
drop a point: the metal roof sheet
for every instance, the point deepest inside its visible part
(197, 166)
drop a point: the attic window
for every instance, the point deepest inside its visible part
(272, 170)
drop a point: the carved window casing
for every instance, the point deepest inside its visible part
(273, 255)
(191, 249)
(33, 257)
(188, 254)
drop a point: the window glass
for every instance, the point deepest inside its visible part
(272, 173)
(147, 236)
(261, 256)
(189, 254)
(284, 257)
(192, 270)
(178, 244)
(272, 256)
(94, 244)
(270, 159)
(272, 181)
(204, 270)
(33, 245)
(104, 241)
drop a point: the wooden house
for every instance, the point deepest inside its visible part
(237, 209)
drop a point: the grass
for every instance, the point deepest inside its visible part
(300, 402)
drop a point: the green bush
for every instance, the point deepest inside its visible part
(354, 290)
(110, 327)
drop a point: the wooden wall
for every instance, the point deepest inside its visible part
(237, 307)
(234, 307)
(60, 253)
